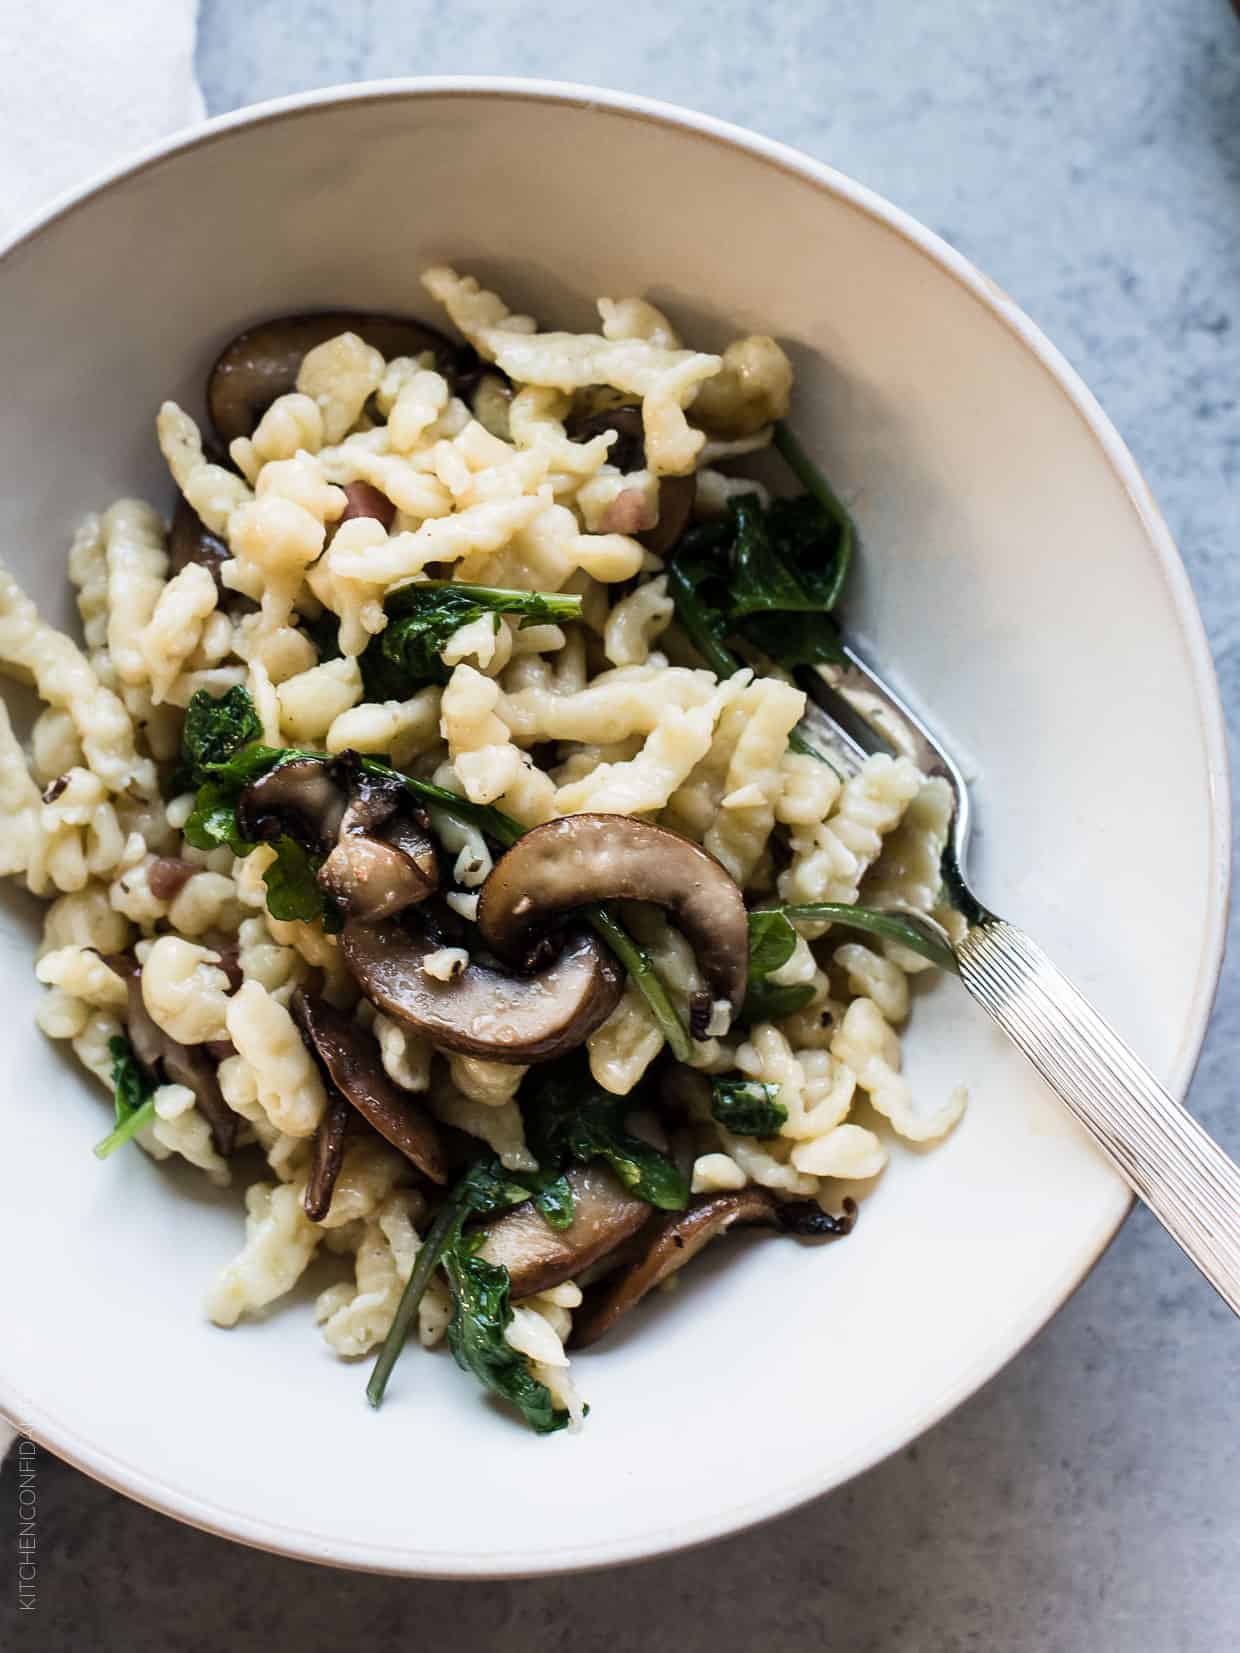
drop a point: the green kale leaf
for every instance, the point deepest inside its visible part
(480, 1294)
(481, 1311)
(746, 1107)
(569, 1120)
(133, 1096)
(422, 617)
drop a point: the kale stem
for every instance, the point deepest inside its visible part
(129, 1126)
(544, 605)
(891, 926)
(813, 481)
(425, 1264)
(640, 967)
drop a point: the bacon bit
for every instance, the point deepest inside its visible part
(219, 1050)
(53, 789)
(365, 501)
(631, 512)
(230, 964)
(167, 877)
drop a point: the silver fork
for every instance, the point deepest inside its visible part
(1181, 1173)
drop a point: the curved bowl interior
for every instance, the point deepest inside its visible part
(1013, 576)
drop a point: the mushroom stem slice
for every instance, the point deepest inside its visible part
(350, 1058)
(538, 1256)
(327, 1160)
(263, 362)
(580, 859)
(672, 1243)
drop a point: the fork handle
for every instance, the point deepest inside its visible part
(1181, 1173)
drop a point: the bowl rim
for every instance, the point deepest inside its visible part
(181, 1502)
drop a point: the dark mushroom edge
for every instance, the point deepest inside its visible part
(351, 1063)
(673, 1241)
(583, 859)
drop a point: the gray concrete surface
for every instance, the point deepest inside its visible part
(1087, 154)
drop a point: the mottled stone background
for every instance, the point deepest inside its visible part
(1086, 153)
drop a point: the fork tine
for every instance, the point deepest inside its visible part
(892, 722)
(893, 726)
(830, 740)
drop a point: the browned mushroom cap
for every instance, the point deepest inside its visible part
(586, 858)
(538, 1256)
(300, 798)
(180, 1064)
(350, 1057)
(263, 362)
(677, 1238)
(327, 1160)
(483, 1011)
(384, 859)
(372, 880)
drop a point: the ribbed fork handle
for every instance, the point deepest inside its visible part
(1185, 1178)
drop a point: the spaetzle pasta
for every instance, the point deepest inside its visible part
(441, 603)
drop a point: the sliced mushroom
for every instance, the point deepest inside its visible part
(484, 1011)
(364, 500)
(538, 1256)
(587, 858)
(676, 497)
(300, 798)
(190, 540)
(628, 453)
(188, 1065)
(167, 876)
(327, 1160)
(371, 880)
(379, 855)
(263, 362)
(677, 1238)
(374, 800)
(350, 1057)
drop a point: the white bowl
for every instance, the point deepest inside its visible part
(1016, 578)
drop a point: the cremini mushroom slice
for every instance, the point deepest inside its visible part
(538, 1256)
(301, 798)
(190, 540)
(327, 1160)
(580, 859)
(350, 1057)
(676, 497)
(371, 880)
(263, 362)
(677, 1238)
(364, 500)
(484, 1011)
(379, 855)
